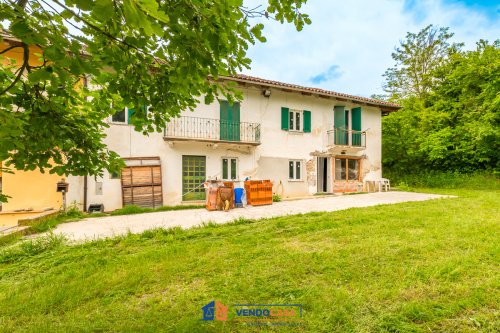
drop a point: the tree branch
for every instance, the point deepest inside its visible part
(26, 58)
(22, 3)
(10, 48)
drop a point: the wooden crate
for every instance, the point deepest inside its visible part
(259, 192)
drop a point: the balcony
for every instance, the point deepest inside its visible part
(344, 140)
(212, 130)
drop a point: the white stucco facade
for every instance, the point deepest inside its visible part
(268, 160)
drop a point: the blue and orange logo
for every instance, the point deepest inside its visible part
(215, 310)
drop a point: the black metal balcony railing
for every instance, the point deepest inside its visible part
(207, 129)
(345, 137)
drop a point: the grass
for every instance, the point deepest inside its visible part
(132, 209)
(411, 267)
(73, 214)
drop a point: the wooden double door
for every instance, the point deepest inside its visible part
(142, 186)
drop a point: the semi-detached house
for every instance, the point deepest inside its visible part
(306, 140)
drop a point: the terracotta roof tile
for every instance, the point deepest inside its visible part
(319, 91)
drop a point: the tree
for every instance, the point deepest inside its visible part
(416, 60)
(455, 124)
(164, 54)
(463, 117)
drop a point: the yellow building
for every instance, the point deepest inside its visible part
(31, 193)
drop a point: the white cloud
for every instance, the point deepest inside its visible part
(358, 37)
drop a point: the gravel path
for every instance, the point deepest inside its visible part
(102, 227)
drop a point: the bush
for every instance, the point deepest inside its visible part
(448, 180)
(276, 198)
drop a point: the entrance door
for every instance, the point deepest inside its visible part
(229, 121)
(323, 174)
(141, 186)
(347, 174)
(193, 177)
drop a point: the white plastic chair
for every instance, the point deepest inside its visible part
(385, 184)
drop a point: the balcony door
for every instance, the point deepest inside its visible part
(229, 121)
(347, 126)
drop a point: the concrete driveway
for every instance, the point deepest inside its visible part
(102, 227)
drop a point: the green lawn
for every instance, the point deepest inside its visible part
(424, 266)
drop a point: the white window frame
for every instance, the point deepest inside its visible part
(126, 122)
(295, 178)
(293, 113)
(120, 122)
(229, 158)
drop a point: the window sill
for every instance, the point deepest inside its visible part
(121, 124)
(295, 180)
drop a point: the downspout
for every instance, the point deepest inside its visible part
(85, 180)
(84, 193)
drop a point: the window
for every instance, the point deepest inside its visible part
(295, 170)
(115, 175)
(229, 169)
(119, 117)
(346, 169)
(125, 115)
(295, 120)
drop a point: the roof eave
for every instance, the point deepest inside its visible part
(384, 107)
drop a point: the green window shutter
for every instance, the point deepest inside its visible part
(225, 133)
(339, 124)
(356, 119)
(130, 113)
(307, 121)
(284, 118)
(236, 112)
(224, 110)
(339, 118)
(356, 126)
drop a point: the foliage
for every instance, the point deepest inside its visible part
(455, 124)
(276, 198)
(416, 59)
(410, 267)
(445, 180)
(163, 54)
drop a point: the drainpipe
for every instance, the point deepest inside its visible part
(84, 193)
(85, 181)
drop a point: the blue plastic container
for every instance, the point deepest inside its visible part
(238, 193)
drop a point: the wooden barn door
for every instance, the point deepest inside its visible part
(142, 186)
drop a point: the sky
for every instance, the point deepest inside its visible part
(348, 46)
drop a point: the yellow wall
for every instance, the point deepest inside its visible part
(17, 55)
(31, 189)
(27, 189)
